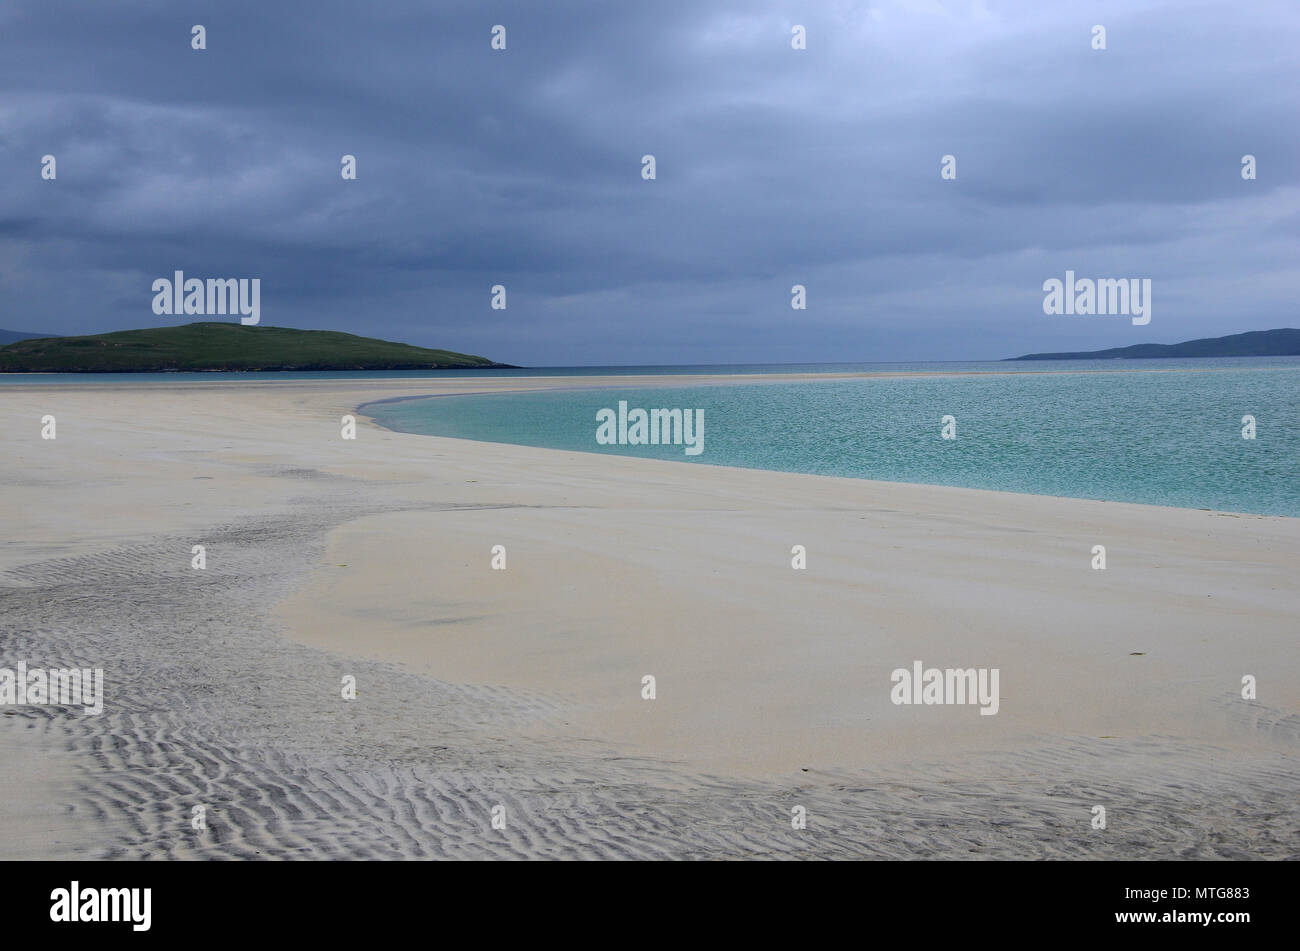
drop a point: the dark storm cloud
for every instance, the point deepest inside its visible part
(775, 167)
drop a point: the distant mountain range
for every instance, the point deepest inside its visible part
(1256, 343)
(9, 336)
(218, 346)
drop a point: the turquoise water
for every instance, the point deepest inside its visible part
(1170, 438)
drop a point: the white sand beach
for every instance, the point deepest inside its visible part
(522, 688)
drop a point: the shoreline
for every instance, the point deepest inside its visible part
(360, 412)
(324, 615)
(1225, 513)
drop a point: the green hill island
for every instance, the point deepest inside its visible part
(214, 346)
(1284, 342)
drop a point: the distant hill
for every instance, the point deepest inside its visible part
(218, 346)
(1256, 343)
(9, 336)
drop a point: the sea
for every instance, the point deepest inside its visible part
(1160, 432)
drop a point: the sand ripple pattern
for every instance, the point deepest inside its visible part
(206, 705)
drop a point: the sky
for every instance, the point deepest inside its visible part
(775, 166)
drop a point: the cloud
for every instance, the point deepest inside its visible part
(775, 167)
